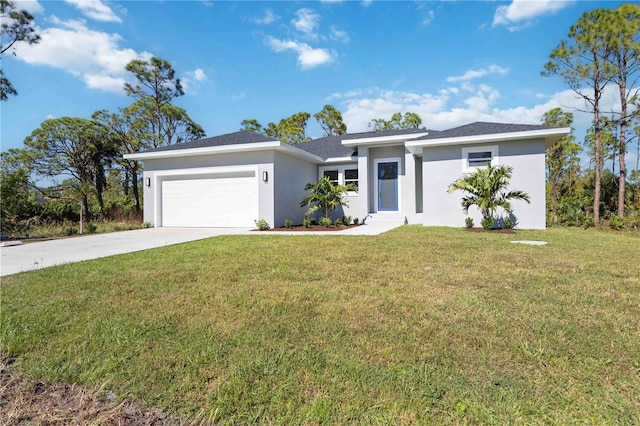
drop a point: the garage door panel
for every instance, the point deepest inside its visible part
(229, 200)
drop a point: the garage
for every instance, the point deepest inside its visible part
(222, 200)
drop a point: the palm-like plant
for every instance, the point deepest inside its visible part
(326, 195)
(485, 188)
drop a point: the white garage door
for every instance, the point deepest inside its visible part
(220, 200)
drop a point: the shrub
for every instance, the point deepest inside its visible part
(68, 231)
(507, 223)
(326, 221)
(288, 224)
(91, 227)
(616, 222)
(262, 225)
(313, 221)
(146, 225)
(487, 223)
(306, 223)
(355, 220)
(468, 222)
(346, 220)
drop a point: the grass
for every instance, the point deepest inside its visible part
(419, 325)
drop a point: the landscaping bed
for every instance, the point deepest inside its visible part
(313, 228)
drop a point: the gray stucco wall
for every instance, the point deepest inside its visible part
(262, 160)
(291, 174)
(443, 165)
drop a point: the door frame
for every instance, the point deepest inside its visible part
(376, 161)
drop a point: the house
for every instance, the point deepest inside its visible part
(235, 179)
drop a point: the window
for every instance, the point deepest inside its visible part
(476, 157)
(332, 175)
(341, 174)
(351, 176)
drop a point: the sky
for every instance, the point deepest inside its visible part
(452, 62)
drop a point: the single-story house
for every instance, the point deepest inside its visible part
(236, 179)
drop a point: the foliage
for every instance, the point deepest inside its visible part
(288, 223)
(464, 329)
(330, 120)
(468, 222)
(17, 26)
(306, 222)
(486, 189)
(74, 147)
(19, 204)
(291, 130)
(346, 220)
(91, 228)
(356, 220)
(326, 221)
(507, 223)
(326, 196)
(262, 225)
(487, 223)
(251, 125)
(409, 121)
(147, 225)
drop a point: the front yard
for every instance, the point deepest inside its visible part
(419, 325)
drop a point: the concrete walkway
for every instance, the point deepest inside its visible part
(37, 255)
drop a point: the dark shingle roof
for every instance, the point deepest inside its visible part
(482, 128)
(236, 138)
(331, 146)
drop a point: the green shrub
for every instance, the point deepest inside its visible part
(262, 225)
(91, 227)
(146, 225)
(306, 223)
(616, 222)
(356, 220)
(468, 222)
(507, 223)
(326, 221)
(70, 231)
(487, 223)
(313, 221)
(346, 220)
(288, 223)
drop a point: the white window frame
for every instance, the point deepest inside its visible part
(486, 148)
(341, 170)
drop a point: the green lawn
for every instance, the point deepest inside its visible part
(419, 325)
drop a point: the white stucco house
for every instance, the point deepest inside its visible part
(235, 179)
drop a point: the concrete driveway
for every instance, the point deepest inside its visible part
(27, 257)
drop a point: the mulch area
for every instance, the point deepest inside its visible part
(311, 228)
(492, 231)
(28, 402)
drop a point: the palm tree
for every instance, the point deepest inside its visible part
(485, 188)
(326, 195)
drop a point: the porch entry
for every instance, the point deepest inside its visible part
(387, 172)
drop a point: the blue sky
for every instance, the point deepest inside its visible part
(452, 62)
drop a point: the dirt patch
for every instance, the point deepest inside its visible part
(26, 402)
(312, 228)
(492, 231)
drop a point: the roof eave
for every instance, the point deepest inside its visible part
(225, 149)
(383, 140)
(549, 135)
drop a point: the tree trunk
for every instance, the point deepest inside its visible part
(622, 141)
(84, 211)
(598, 166)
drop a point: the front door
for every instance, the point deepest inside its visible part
(388, 186)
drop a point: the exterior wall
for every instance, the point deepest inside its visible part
(155, 169)
(443, 165)
(353, 198)
(291, 174)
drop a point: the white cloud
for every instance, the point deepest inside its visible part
(471, 74)
(93, 56)
(339, 35)
(31, 6)
(366, 3)
(451, 108)
(429, 18)
(331, 1)
(306, 22)
(95, 9)
(269, 18)
(521, 13)
(191, 79)
(308, 57)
